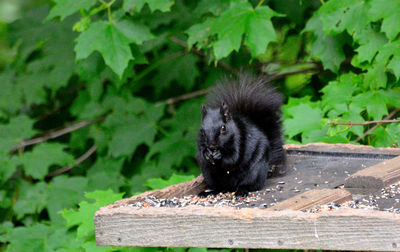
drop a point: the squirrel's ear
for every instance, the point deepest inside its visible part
(225, 112)
(203, 110)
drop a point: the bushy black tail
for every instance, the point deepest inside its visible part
(255, 99)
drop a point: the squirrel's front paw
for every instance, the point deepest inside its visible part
(217, 155)
(209, 156)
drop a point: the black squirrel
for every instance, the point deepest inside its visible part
(240, 140)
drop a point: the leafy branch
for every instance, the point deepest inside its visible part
(82, 158)
(364, 123)
(54, 134)
(393, 113)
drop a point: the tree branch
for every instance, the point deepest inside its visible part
(54, 134)
(153, 66)
(393, 113)
(364, 123)
(82, 158)
(184, 97)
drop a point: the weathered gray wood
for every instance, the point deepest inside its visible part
(375, 177)
(311, 198)
(348, 148)
(225, 227)
(194, 226)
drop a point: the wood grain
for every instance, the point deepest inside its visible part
(346, 148)
(225, 227)
(120, 224)
(311, 198)
(375, 177)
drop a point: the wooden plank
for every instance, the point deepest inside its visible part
(347, 148)
(312, 198)
(226, 227)
(375, 177)
(192, 187)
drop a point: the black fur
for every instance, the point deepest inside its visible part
(240, 140)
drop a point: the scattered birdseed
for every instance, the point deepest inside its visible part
(221, 199)
(305, 172)
(387, 199)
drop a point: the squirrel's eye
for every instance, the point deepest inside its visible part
(223, 129)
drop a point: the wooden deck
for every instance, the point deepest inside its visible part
(282, 226)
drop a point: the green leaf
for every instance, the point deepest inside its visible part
(386, 136)
(239, 19)
(230, 27)
(105, 174)
(199, 32)
(394, 65)
(5, 227)
(338, 15)
(389, 12)
(339, 93)
(32, 198)
(37, 162)
(260, 30)
(63, 240)
(31, 87)
(370, 43)
(216, 7)
(328, 48)
(129, 131)
(136, 32)
(172, 150)
(182, 69)
(303, 118)
(40, 237)
(137, 5)
(376, 75)
(84, 216)
(92, 247)
(130, 135)
(374, 102)
(52, 41)
(19, 128)
(390, 96)
(64, 8)
(5, 202)
(8, 165)
(112, 41)
(145, 171)
(33, 237)
(9, 89)
(187, 117)
(158, 183)
(64, 192)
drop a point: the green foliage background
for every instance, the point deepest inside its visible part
(91, 81)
